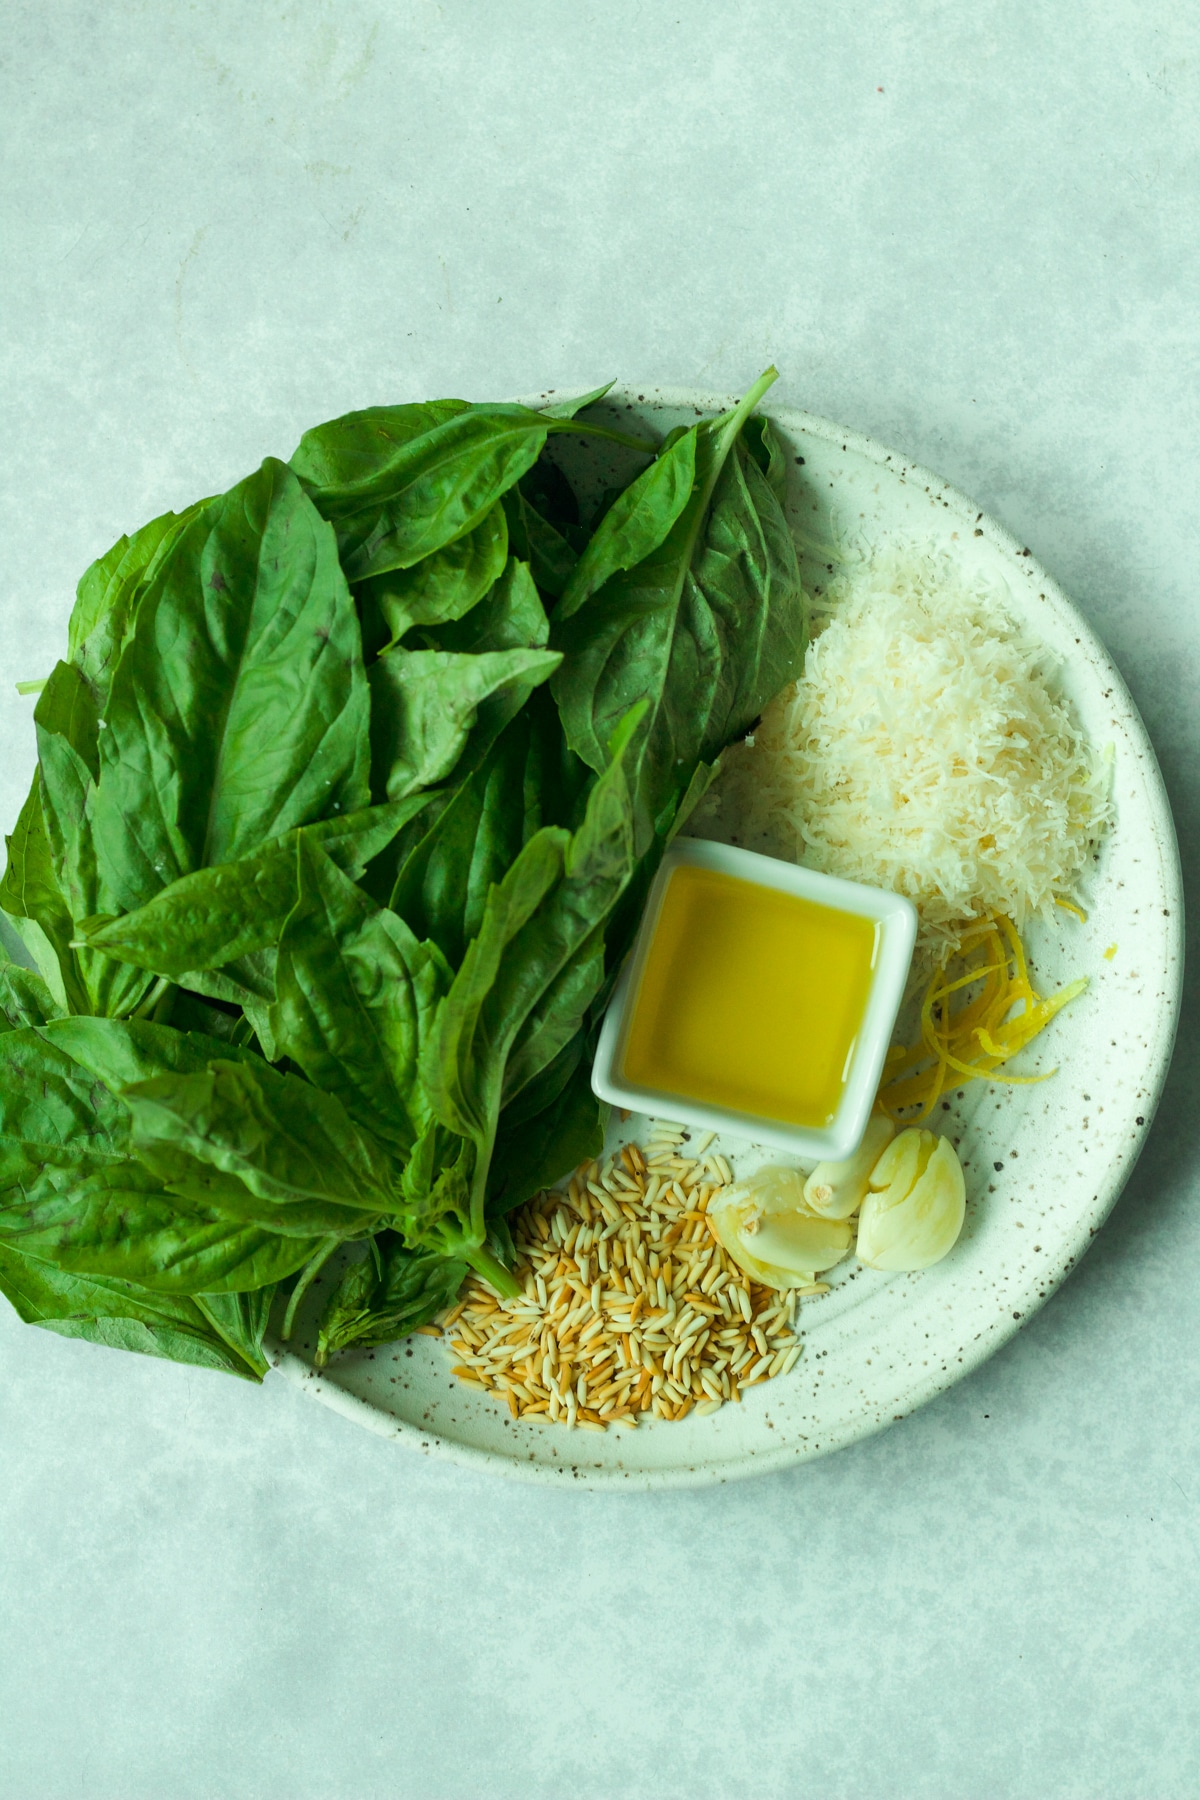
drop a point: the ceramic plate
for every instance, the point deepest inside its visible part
(1043, 1164)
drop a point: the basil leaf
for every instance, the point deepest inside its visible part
(555, 1019)
(709, 625)
(422, 489)
(50, 1103)
(241, 1320)
(424, 704)
(347, 455)
(216, 916)
(636, 523)
(377, 1304)
(572, 404)
(25, 998)
(357, 993)
(510, 617)
(283, 1139)
(73, 1192)
(68, 727)
(536, 541)
(536, 921)
(437, 1206)
(115, 1218)
(239, 709)
(198, 1190)
(109, 593)
(443, 885)
(123, 1316)
(462, 1066)
(444, 585)
(759, 437)
(533, 1153)
(31, 894)
(119, 1051)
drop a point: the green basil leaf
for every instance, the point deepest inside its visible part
(533, 1153)
(68, 724)
(510, 617)
(212, 918)
(109, 593)
(759, 437)
(120, 1051)
(247, 979)
(462, 1065)
(709, 626)
(447, 583)
(239, 709)
(71, 1191)
(31, 894)
(114, 1217)
(198, 1189)
(377, 1305)
(557, 893)
(554, 968)
(50, 1103)
(284, 1139)
(425, 703)
(241, 1320)
(423, 490)
(357, 993)
(556, 1017)
(348, 455)
(539, 543)
(66, 709)
(25, 999)
(568, 407)
(437, 1208)
(443, 885)
(636, 523)
(122, 1316)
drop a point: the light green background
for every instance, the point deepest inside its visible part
(967, 230)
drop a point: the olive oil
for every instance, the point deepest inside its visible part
(750, 998)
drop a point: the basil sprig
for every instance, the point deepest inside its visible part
(349, 790)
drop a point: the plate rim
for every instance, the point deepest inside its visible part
(318, 1386)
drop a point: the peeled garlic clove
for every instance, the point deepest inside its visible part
(898, 1166)
(771, 1235)
(910, 1231)
(770, 1189)
(911, 1164)
(837, 1189)
(750, 1265)
(801, 1241)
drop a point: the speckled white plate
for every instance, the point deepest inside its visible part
(1044, 1164)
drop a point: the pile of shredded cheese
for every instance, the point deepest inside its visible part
(926, 749)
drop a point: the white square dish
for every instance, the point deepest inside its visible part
(895, 922)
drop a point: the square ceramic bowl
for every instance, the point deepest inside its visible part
(895, 922)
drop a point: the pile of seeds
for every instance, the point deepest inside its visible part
(630, 1305)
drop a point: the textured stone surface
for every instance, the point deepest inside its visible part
(224, 223)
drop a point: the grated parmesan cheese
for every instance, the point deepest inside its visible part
(927, 749)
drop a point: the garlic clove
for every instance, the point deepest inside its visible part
(911, 1167)
(771, 1235)
(771, 1189)
(836, 1190)
(801, 1241)
(897, 1167)
(912, 1230)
